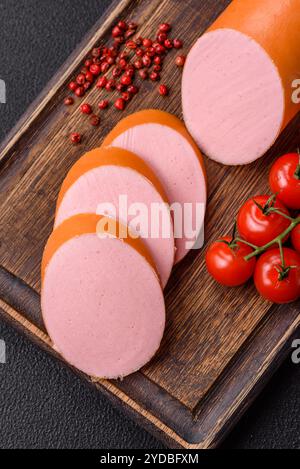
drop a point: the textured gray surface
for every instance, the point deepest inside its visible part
(42, 404)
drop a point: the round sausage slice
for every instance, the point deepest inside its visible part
(102, 302)
(117, 183)
(163, 142)
(238, 80)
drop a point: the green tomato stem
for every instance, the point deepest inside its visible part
(279, 212)
(240, 240)
(295, 222)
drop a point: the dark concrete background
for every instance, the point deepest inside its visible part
(42, 404)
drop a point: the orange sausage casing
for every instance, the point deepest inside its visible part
(275, 25)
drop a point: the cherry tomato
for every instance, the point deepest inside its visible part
(296, 238)
(226, 263)
(271, 281)
(259, 228)
(285, 180)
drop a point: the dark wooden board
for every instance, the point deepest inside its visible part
(220, 345)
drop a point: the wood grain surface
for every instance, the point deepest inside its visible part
(221, 345)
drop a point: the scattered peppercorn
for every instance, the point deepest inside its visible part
(161, 38)
(101, 83)
(177, 43)
(132, 25)
(131, 45)
(112, 52)
(95, 69)
(120, 104)
(96, 52)
(69, 101)
(163, 90)
(80, 79)
(139, 41)
(154, 76)
(122, 25)
(118, 41)
(168, 44)
(116, 72)
(143, 74)
(180, 60)
(133, 89)
(158, 60)
(140, 54)
(116, 32)
(147, 43)
(126, 80)
(165, 27)
(122, 64)
(79, 91)
(124, 55)
(147, 61)
(104, 67)
(138, 64)
(111, 60)
(129, 33)
(94, 120)
(129, 73)
(73, 86)
(126, 96)
(103, 104)
(89, 77)
(160, 49)
(75, 138)
(150, 52)
(86, 108)
(120, 87)
(110, 85)
(96, 61)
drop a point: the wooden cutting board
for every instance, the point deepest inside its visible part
(221, 345)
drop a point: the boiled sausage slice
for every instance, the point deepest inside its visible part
(102, 302)
(238, 80)
(116, 182)
(163, 142)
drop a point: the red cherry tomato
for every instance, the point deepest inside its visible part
(285, 180)
(270, 281)
(258, 228)
(296, 238)
(227, 265)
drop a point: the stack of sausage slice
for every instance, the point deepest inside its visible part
(103, 276)
(163, 142)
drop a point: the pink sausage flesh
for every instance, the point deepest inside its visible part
(103, 306)
(104, 185)
(233, 98)
(175, 163)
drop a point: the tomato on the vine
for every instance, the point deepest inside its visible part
(257, 221)
(296, 238)
(285, 180)
(226, 264)
(276, 282)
